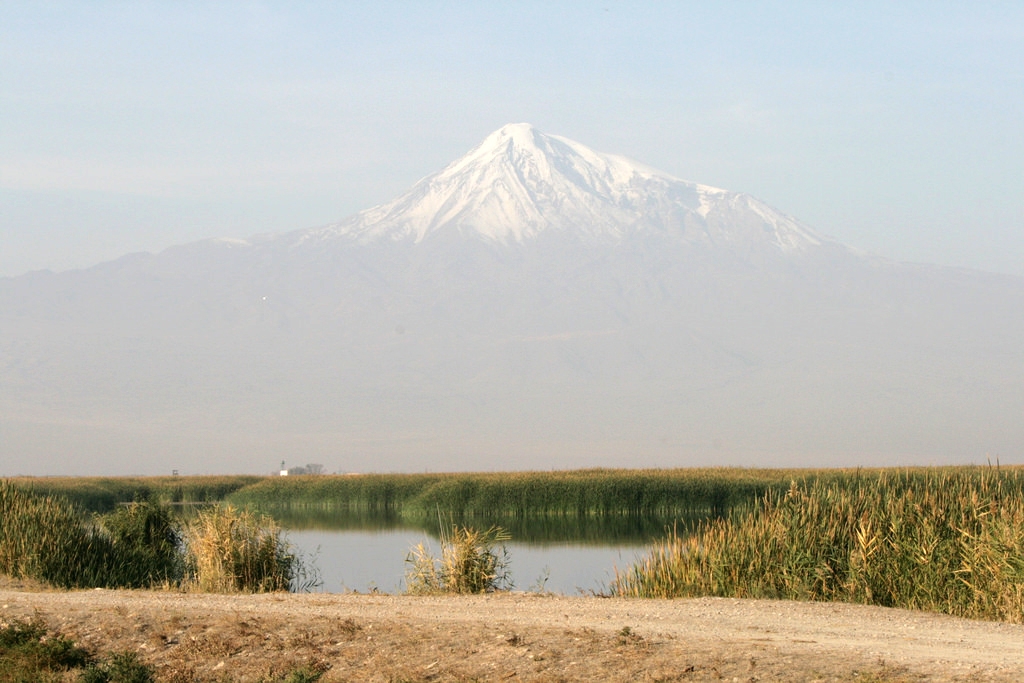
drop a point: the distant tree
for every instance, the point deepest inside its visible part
(310, 468)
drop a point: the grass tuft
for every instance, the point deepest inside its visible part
(471, 561)
(119, 667)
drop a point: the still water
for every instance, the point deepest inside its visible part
(364, 560)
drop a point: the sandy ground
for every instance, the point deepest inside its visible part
(522, 637)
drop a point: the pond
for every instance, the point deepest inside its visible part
(566, 555)
(364, 561)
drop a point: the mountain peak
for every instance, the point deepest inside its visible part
(519, 134)
(520, 182)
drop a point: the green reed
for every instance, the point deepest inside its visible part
(948, 540)
(50, 540)
(147, 542)
(142, 545)
(47, 539)
(589, 493)
(104, 494)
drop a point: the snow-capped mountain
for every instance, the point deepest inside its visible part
(535, 304)
(520, 182)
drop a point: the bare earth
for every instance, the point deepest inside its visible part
(522, 637)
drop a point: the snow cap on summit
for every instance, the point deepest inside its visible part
(519, 133)
(520, 182)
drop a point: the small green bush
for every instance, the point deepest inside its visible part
(307, 674)
(120, 667)
(29, 654)
(147, 544)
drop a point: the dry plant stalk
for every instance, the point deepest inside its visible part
(471, 561)
(232, 550)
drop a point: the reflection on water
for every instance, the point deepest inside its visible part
(560, 554)
(591, 529)
(366, 560)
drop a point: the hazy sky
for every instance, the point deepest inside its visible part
(895, 127)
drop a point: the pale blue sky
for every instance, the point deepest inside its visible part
(134, 126)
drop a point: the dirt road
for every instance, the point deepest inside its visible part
(524, 637)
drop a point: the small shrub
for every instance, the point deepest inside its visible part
(147, 544)
(231, 550)
(471, 562)
(121, 667)
(307, 674)
(28, 652)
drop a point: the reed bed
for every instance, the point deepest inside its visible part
(946, 540)
(50, 540)
(533, 529)
(142, 545)
(587, 493)
(47, 539)
(104, 494)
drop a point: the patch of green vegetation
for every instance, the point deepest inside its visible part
(28, 653)
(948, 540)
(140, 545)
(104, 494)
(576, 493)
(120, 667)
(47, 539)
(147, 544)
(306, 674)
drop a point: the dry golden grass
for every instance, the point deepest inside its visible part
(231, 550)
(471, 561)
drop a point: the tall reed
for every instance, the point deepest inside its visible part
(945, 540)
(231, 550)
(471, 561)
(139, 545)
(104, 494)
(147, 544)
(494, 495)
(47, 539)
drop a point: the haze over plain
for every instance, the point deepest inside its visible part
(533, 304)
(128, 128)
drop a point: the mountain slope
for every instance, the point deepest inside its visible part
(519, 183)
(533, 305)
